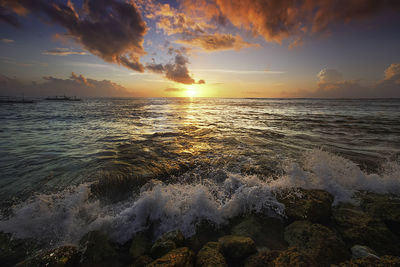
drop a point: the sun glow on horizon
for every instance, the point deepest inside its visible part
(190, 91)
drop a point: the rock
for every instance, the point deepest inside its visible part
(385, 261)
(266, 232)
(166, 243)
(237, 247)
(205, 232)
(311, 205)
(161, 248)
(358, 251)
(357, 227)
(97, 250)
(180, 257)
(175, 236)
(13, 250)
(140, 245)
(318, 241)
(274, 258)
(262, 259)
(293, 257)
(66, 256)
(210, 256)
(142, 261)
(385, 208)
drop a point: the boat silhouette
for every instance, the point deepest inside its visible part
(11, 100)
(62, 98)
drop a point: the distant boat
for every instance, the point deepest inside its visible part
(16, 100)
(62, 98)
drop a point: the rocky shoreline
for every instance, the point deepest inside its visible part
(313, 233)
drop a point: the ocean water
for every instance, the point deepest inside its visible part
(120, 164)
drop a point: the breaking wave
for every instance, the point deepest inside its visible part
(66, 216)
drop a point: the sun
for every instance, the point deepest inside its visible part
(190, 91)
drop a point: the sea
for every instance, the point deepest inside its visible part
(123, 164)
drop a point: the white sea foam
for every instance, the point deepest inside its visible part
(339, 176)
(66, 216)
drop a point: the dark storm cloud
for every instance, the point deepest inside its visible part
(177, 70)
(76, 85)
(276, 20)
(110, 29)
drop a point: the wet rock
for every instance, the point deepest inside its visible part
(166, 243)
(142, 261)
(140, 245)
(293, 257)
(311, 205)
(205, 232)
(66, 256)
(210, 256)
(385, 261)
(265, 232)
(237, 247)
(262, 259)
(175, 236)
(180, 257)
(318, 241)
(274, 258)
(385, 208)
(358, 251)
(161, 248)
(357, 227)
(97, 250)
(13, 250)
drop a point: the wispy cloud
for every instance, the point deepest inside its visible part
(6, 41)
(172, 89)
(62, 52)
(239, 71)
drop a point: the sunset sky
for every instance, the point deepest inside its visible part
(206, 48)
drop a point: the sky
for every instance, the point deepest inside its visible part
(200, 48)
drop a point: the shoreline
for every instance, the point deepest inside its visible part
(312, 233)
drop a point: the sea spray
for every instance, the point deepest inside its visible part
(339, 176)
(66, 216)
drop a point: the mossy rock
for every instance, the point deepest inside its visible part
(14, 250)
(166, 243)
(97, 250)
(318, 241)
(275, 258)
(180, 257)
(140, 245)
(237, 247)
(264, 231)
(206, 232)
(312, 205)
(262, 259)
(161, 248)
(142, 261)
(385, 261)
(385, 208)
(357, 227)
(176, 236)
(210, 256)
(66, 256)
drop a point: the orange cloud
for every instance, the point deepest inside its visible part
(214, 42)
(277, 20)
